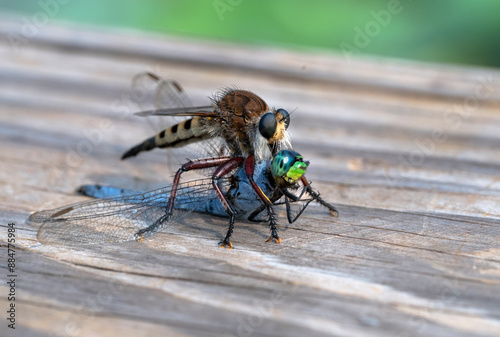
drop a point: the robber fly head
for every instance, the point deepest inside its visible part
(272, 125)
(287, 167)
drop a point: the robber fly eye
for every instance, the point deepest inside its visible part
(267, 125)
(286, 117)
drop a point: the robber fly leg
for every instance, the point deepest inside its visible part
(315, 195)
(191, 165)
(222, 170)
(249, 169)
(227, 242)
(272, 226)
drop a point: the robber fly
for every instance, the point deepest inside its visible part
(127, 216)
(245, 122)
(250, 131)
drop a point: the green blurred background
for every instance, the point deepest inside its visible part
(447, 31)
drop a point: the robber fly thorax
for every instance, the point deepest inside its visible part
(240, 112)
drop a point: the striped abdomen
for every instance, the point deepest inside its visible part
(184, 133)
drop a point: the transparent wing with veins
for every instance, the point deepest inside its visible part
(156, 94)
(153, 92)
(119, 219)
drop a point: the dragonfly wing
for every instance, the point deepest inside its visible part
(119, 219)
(97, 221)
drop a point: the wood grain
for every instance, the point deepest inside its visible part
(408, 151)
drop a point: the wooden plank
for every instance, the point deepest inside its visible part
(415, 250)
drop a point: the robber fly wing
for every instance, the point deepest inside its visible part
(202, 111)
(165, 103)
(164, 93)
(150, 88)
(118, 219)
(152, 92)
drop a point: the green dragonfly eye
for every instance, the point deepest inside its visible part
(289, 166)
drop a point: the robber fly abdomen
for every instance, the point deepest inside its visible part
(186, 132)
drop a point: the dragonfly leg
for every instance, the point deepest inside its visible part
(191, 165)
(291, 218)
(316, 197)
(221, 171)
(256, 212)
(249, 170)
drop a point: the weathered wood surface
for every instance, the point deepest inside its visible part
(415, 251)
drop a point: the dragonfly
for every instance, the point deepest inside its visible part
(250, 132)
(135, 216)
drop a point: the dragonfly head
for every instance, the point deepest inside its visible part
(287, 167)
(272, 125)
